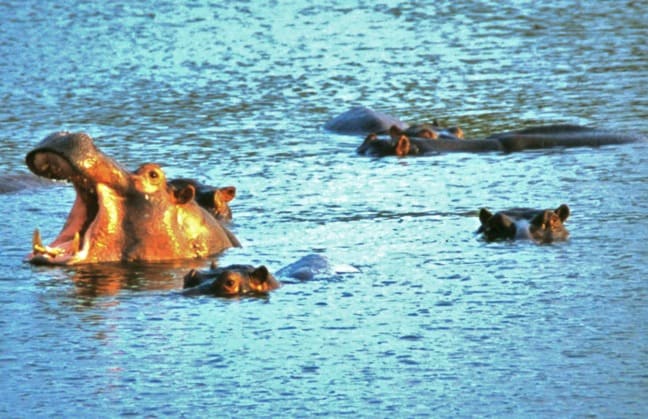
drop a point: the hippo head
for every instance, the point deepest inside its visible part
(214, 199)
(119, 215)
(547, 226)
(230, 281)
(381, 147)
(497, 226)
(542, 226)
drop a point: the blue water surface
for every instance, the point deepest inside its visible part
(438, 323)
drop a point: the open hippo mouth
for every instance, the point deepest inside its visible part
(73, 158)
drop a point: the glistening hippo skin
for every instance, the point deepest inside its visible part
(540, 226)
(119, 215)
(427, 139)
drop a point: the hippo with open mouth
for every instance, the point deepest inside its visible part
(120, 215)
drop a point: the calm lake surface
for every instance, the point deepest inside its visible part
(437, 323)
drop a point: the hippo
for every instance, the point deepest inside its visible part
(540, 226)
(361, 120)
(214, 199)
(120, 215)
(405, 146)
(241, 280)
(12, 183)
(406, 140)
(230, 281)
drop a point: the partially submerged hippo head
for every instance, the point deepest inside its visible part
(230, 281)
(119, 215)
(381, 147)
(542, 226)
(214, 199)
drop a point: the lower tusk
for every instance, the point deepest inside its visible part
(38, 248)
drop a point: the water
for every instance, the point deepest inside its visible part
(438, 323)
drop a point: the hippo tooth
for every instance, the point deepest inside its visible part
(38, 248)
(37, 242)
(76, 243)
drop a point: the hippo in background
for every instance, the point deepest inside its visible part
(540, 226)
(120, 215)
(212, 198)
(403, 145)
(12, 183)
(241, 280)
(406, 140)
(363, 121)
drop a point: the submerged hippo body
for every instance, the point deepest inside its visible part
(406, 140)
(119, 215)
(363, 121)
(541, 226)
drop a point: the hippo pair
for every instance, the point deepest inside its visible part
(405, 140)
(127, 216)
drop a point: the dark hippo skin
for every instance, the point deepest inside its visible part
(540, 226)
(18, 182)
(430, 138)
(363, 121)
(230, 281)
(120, 215)
(405, 146)
(241, 280)
(214, 199)
(548, 136)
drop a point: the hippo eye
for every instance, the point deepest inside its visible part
(154, 174)
(230, 283)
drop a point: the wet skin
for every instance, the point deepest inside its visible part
(213, 199)
(120, 215)
(240, 280)
(405, 140)
(541, 226)
(230, 281)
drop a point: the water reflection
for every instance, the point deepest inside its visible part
(108, 279)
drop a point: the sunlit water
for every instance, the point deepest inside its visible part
(438, 323)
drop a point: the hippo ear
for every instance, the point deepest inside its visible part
(484, 215)
(191, 280)
(261, 273)
(226, 194)
(184, 194)
(563, 212)
(403, 146)
(457, 132)
(395, 132)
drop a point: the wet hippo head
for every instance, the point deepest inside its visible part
(542, 226)
(214, 199)
(547, 226)
(230, 281)
(118, 215)
(380, 147)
